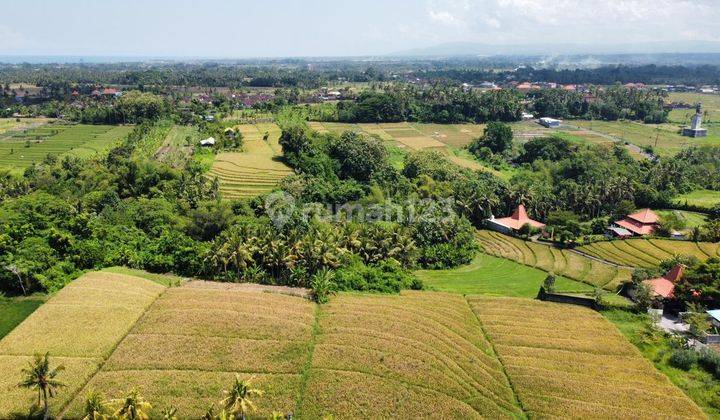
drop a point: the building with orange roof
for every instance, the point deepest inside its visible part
(641, 223)
(514, 222)
(664, 287)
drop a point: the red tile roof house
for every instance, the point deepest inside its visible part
(664, 287)
(640, 223)
(513, 223)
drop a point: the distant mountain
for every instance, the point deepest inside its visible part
(479, 49)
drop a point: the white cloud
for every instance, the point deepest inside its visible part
(609, 21)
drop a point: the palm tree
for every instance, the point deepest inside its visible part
(237, 400)
(95, 406)
(132, 407)
(40, 376)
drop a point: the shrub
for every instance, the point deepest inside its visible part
(322, 285)
(549, 283)
(683, 358)
(388, 276)
(710, 361)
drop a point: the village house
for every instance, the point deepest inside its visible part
(664, 287)
(513, 223)
(641, 223)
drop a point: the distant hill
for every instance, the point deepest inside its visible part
(474, 48)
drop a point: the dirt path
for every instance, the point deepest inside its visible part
(632, 147)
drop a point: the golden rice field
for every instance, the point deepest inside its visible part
(562, 262)
(567, 361)
(649, 252)
(413, 355)
(389, 356)
(80, 327)
(257, 169)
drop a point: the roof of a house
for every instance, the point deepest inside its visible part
(620, 231)
(110, 91)
(644, 216)
(665, 286)
(635, 227)
(715, 313)
(518, 219)
(661, 287)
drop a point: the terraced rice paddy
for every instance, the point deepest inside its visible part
(254, 171)
(413, 355)
(80, 327)
(547, 258)
(18, 150)
(488, 275)
(649, 252)
(389, 356)
(569, 362)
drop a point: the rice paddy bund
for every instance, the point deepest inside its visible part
(257, 169)
(649, 252)
(547, 258)
(21, 148)
(417, 354)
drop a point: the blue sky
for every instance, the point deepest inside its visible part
(272, 28)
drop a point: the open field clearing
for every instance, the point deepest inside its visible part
(701, 198)
(710, 104)
(664, 138)
(649, 252)
(547, 258)
(189, 344)
(690, 218)
(18, 124)
(388, 356)
(257, 169)
(568, 361)
(18, 150)
(80, 327)
(488, 275)
(178, 145)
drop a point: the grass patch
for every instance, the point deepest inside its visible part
(488, 275)
(701, 198)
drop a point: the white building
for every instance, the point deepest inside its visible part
(550, 122)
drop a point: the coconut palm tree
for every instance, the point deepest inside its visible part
(40, 376)
(95, 406)
(132, 407)
(237, 400)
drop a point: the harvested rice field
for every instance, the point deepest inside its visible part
(254, 171)
(567, 361)
(80, 327)
(649, 252)
(413, 355)
(559, 261)
(388, 356)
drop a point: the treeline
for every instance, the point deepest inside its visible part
(442, 103)
(612, 103)
(438, 104)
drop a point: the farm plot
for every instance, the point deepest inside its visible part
(569, 362)
(20, 150)
(79, 326)
(562, 262)
(389, 356)
(177, 145)
(13, 124)
(649, 252)
(700, 198)
(488, 275)
(254, 171)
(192, 341)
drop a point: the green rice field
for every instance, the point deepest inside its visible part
(701, 198)
(649, 252)
(550, 259)
(20, 149)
